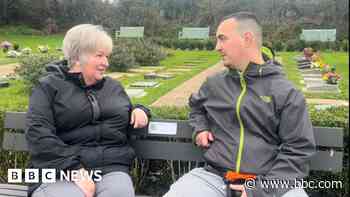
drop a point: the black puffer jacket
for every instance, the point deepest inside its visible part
(65, 131)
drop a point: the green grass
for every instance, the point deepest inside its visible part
(14, 96)
(166, 85)
(16, 35)
(340, 59)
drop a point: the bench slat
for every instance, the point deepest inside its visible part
(329, 137)
(147, 149)
(13, 193)
(14, 187)
(327, 161)
(15, 120)
(14, 141)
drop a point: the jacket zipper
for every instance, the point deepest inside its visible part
(241, 132)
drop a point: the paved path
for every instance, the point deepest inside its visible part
(7, 69)
(328, 102)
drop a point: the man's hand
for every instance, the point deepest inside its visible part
(239, 188)
(204, 138)
(85, 183)
(138, 118)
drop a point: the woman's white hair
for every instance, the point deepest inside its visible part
(85, 39)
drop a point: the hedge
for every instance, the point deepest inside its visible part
(159, 175)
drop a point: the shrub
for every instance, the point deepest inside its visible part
(277, 45)
(122, 58)
(345, 45)
(147, 53)
(16, 47)
(32, 67)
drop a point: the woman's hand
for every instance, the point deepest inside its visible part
(85, 183)
(138, 118)
(239, 188)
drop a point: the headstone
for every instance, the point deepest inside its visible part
(317, 80)
(157, 76)
(189, 65)
(310, 71)
(324, 106)
(4, 84)
(135, 93)
(312, 75)
(321, 87)
(194, 33)
(145, 84)
(194, 61)
(130, 32)
(179, 70)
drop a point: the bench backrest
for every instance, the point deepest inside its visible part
(171, 140)
(130, 32)
(194, 33)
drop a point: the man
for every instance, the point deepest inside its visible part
(248, 119)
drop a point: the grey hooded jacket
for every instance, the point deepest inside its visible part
(260, 124)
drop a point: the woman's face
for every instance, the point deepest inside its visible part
(95, 66)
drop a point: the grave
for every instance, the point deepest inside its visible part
(194, 61)
(310, 71)
(145, 84)
(312, 80)
(321, 87)
(158, 76)
(179, 70)
(324, 106)
(4, 84)
(135, 93)
(311, 75)
(188, 65)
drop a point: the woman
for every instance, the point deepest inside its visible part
(78, 120)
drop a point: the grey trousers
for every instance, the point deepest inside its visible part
(114, 184)
(199, 182)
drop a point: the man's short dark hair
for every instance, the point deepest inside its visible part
(243, 16)
(248, 22)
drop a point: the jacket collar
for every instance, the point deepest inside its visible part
(254, 70)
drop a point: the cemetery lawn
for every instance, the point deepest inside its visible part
(15, 95)
(340, 59)
(15, 35)
(172, 62)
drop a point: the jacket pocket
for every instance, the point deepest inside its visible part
(118, 155)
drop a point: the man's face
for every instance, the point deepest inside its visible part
(230, 43)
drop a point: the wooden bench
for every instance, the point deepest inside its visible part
(153, 143)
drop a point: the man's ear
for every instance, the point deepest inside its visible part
(248, 38)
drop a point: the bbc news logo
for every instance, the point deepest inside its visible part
(32, 175)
